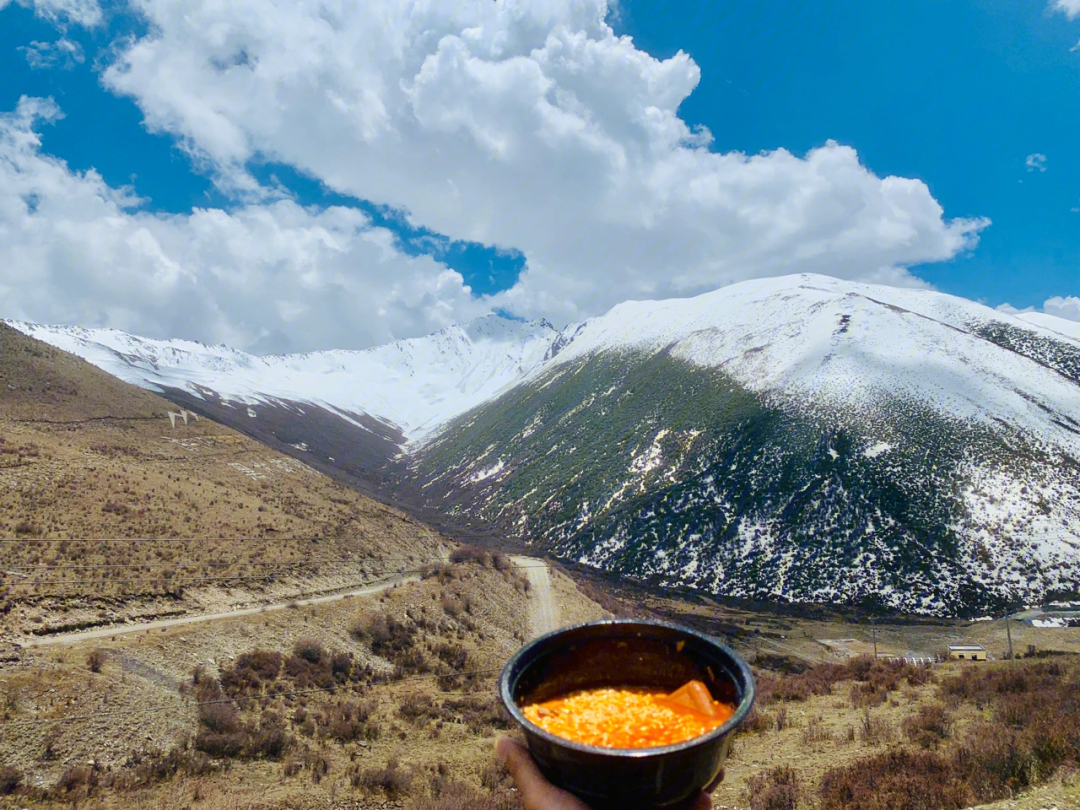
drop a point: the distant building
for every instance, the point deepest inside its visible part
(967, 652)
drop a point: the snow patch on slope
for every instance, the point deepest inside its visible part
(819, 342)
(415, 385)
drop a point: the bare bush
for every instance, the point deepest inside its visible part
(481, 713)
(451, 605)
(96, 660)
(348, 721)
(384, 634)
(250, 672)
(815, 731)
(929, 726)
(756, 722)
(781, 718)
(309, 649)
(874, 730)
(393, 780)
(418, 708)
(10, 780)
(776, 789)
(897, 780)
(471, 554)
(459, 796)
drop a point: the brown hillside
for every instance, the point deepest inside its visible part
(109, 513)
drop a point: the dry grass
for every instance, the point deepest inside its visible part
(425, 742)
(83, 455)
(268, 734)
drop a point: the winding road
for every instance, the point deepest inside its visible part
(123, 629)
(543, 610)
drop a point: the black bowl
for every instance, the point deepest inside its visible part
(623, 652)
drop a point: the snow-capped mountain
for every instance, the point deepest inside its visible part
(800, 438)
(412, 385)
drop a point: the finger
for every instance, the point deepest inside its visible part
(538, 793)
(702, 802)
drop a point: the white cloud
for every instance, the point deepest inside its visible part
(1067, 307)
(1071, 8)
(270, 277)
(1036, 162)
(521, 123)
(80, 12)
(63, 53)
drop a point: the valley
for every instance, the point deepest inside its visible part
(192, 619)
(798, 439)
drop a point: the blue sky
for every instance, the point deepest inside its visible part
(957, 93)
(978, 100)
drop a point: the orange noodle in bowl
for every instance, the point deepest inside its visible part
(631, 717)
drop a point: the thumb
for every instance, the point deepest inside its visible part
(536, 791)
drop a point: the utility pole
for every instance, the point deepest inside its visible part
(873, 631)
(1008, 634)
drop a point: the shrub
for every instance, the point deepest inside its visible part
(874, 730)
(341, 665)
(451, 605)
(418, 708)
(866, 696)
(776, 789)
(458, 796)
(220, 718)
(897, 780)
(270, 740)
(756, 721)
(453, 655)
(815, 731)
(410, 662)
(148, 769)
(780, 718)
(798, 686)
(77, 779)
(385, 635)
(310, 649)
(349, 721)
(307, 675)
(250, 671)
(96, 660)
(220, 745)
(392, 780)
(473, 554)
(10, 780)
(291, 768)
(929, 726)
(481, 713)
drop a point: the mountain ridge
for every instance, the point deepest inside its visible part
(790, 438)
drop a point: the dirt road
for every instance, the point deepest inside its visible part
(119, 630)
(543, 610)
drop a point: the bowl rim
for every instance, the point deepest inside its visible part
(729, 725)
